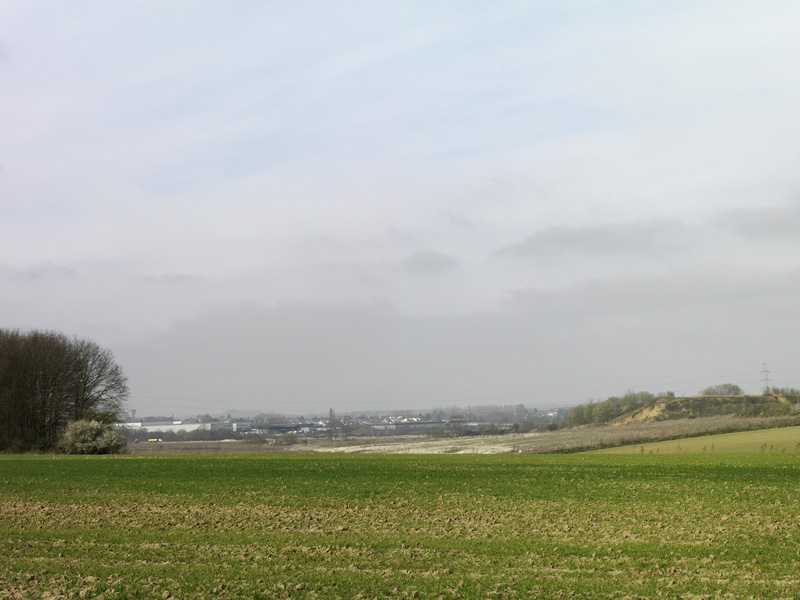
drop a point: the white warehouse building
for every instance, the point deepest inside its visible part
(181, 426)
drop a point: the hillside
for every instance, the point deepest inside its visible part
(688, 407)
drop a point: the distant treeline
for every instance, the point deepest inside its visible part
(497, 413)
(514, 409)
(715, 400)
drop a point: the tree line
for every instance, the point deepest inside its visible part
(48, 380)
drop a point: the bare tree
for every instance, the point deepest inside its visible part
(98, 386)
(33, 389)
(48, 379)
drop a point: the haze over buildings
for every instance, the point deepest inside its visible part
(297, 205)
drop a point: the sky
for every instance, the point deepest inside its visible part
(294, 206)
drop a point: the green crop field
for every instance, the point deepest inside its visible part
(785, 439)
(401, 526)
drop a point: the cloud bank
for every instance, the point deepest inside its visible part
(290, 206)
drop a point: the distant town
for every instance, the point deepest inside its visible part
(447, 421)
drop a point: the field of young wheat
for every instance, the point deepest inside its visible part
(400, 526)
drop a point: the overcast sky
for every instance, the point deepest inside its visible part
(292, 206)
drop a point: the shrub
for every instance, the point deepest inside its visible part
(288, 439)
(722, 389)
(91, 437)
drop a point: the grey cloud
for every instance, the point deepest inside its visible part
(172, 279)
(426, 262)
(651, 238)
(765, 222)
(709, 287)
(299, 356)
(406, 235)
(42, 272)
(458, 220)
